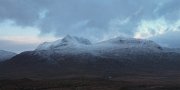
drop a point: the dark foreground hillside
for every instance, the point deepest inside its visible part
(126, 82)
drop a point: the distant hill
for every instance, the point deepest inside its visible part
(5, 55)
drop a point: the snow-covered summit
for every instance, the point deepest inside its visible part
(78, 40)
(67, 41)
(132, 42)
(4, 55)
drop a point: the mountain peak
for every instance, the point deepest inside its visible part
(75, 40)
(66, 41)
(67, 38)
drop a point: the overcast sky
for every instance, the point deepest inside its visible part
(26, 23)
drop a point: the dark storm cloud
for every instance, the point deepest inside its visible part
(94, 19)
(65, 14)
(24, 12)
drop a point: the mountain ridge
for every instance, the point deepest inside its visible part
(77, 42)
(116, 56)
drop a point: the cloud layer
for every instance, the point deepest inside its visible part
(97, 19)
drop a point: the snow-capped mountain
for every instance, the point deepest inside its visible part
(74, 55)
(70, 44)
(116, 47)
(5, 55)
(75, 46)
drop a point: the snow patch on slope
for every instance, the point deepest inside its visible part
(66, 42)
